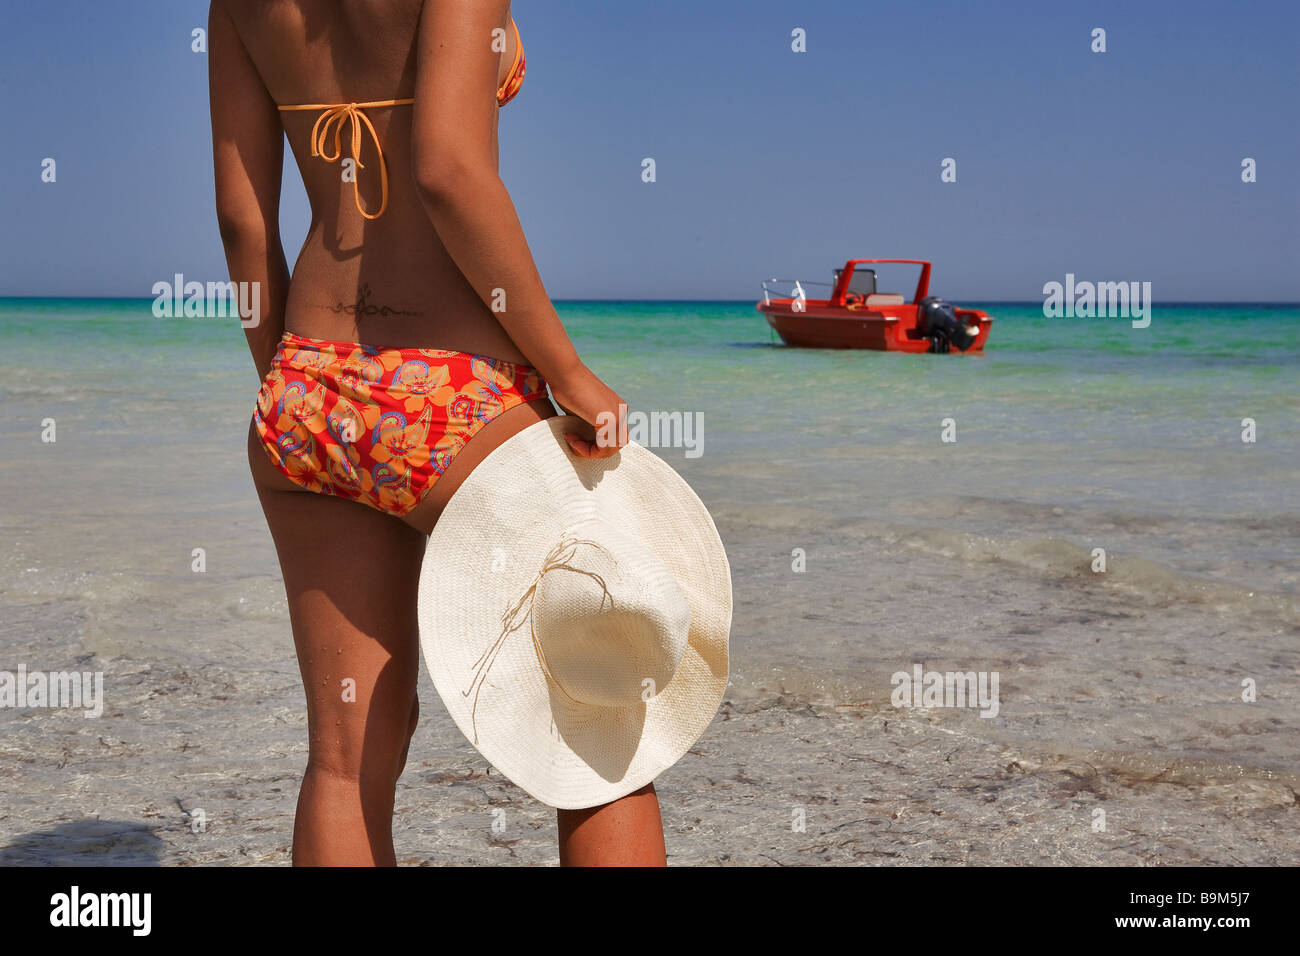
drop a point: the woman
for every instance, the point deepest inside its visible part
(414, 250)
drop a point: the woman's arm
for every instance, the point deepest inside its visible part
(248, 162)
(455, 171)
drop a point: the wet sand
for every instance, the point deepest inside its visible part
(212, 726)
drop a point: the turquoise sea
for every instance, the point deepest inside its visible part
(1090, 416)
(859, 542)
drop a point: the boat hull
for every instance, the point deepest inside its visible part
(886, 329)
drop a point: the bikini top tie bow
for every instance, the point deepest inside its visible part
(333, 118)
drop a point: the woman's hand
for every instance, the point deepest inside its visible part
(583, 394)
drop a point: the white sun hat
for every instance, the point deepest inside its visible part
(574, 614)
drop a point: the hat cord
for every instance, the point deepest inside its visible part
(557, 559)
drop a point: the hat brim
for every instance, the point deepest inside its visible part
(484, 554)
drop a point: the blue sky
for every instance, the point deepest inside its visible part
(1117, 166)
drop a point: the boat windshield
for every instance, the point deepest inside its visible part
(888, 278)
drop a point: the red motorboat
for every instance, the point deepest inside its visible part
(858, 316)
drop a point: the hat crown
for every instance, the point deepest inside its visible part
(611, 622)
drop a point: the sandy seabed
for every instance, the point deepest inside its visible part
(209, 725)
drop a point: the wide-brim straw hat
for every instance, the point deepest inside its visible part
(574, 614)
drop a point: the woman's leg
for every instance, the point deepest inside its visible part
(627, 832)
(350, 575)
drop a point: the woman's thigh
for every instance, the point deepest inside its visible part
(351, 576)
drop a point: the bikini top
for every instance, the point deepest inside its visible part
(334, 115)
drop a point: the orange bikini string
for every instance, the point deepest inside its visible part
(333, 117)
(514, 78)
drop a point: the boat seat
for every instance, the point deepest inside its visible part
(883, 298)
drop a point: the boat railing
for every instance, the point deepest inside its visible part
(795, 293)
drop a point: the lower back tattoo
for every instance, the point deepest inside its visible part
(363, 306)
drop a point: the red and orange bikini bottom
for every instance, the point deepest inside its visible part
(379, 425)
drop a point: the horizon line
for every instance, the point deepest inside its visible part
(962, 299)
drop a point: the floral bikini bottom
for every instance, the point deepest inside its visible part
(379, 425)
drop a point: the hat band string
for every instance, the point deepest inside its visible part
(558, 558)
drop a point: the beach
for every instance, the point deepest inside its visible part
(1147, 713)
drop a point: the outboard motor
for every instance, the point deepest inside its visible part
(936, 320)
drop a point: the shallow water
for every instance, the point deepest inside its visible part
(977, 555)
